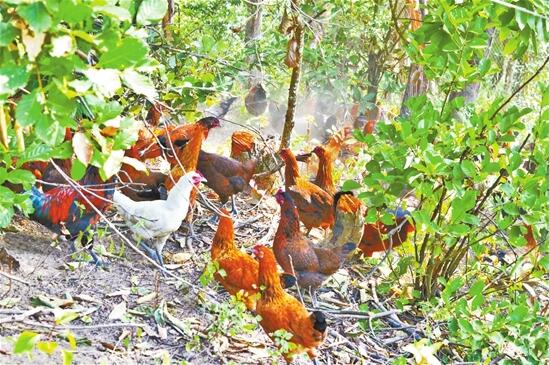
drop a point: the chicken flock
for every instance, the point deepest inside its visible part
(154, 205)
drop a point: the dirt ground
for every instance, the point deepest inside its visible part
(127, 313)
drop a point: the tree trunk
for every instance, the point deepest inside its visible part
(293, 89)
(167, 20)
(416, 83)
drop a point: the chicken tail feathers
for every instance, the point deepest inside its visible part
(319, 321)
(345, 250)
(337, 197)
(288, 280)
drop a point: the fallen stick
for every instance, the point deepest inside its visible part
(14, 278)
(78, 328)
(21, 317)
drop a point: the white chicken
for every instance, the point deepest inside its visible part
(156, 220)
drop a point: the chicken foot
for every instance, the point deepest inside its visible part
(87, 242)
(155, 254)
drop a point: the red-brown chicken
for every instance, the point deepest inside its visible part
(242, 145)
(312, 265)
(313, 203)
(241, 270)
(225, 175)
(373, 234)
(348, 210)
(281, 311)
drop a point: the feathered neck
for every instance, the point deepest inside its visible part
(268, 276)
(324, 173)
(224, 237)
(190, 153)
(289, 225)
(178, 197)
(291, 170)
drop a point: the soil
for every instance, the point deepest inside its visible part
(52, 281)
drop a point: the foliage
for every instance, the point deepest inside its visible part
(69, 64)
(28, 341)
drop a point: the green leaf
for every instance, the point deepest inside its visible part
(461, 205)
(12, 78)
(6, 214)
(73, 13)
(21, 177)
(519, 313)
(477, 288)
(113, 163)
(49, 131)
(350, 185)
(25, 342)
(47, 347)
(114, 11)
(465, 325)
(78, 170)
(151, 11)
(129, 52)
(67, 357)
(7, 34)
(140, 84)
(36, 15)
(105, 81)
(29, 109)
(468, 168)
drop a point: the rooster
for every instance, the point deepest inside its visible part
(241, 270)
(157, 220)
(373, 234)
(225, 175)
(281, 311)
(297, 255)
(313, 203)
(186, 142)
(65, 211)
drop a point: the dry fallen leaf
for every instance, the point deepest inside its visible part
(118, 311)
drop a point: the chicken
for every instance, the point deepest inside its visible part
(186, 142)
(242, 145)
(281, 311)
(225, 175)
(373, 234)
(64, 210)
(241, 270)
(313, 203)
(297, 255)
(348, 210)
(156, 220)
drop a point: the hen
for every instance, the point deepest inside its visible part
(242, 145)
(281, 311)
(241, 270)
(156, 220)
(348, 212)
(225, 175)
(312, 265)
(313, 203)
(373, 234)
(65, 211)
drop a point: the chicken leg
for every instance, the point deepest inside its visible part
(233, 206)
(87, 241)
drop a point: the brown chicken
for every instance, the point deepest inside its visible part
(373, 234)
(186, 141)
(313, 203)
(241, 270)
(225, 175)
(348, 210)
(312, 265)
(242, 145)
(281, 311)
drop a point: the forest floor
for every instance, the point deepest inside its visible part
(127, 313)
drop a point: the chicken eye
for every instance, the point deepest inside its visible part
(180, 142)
